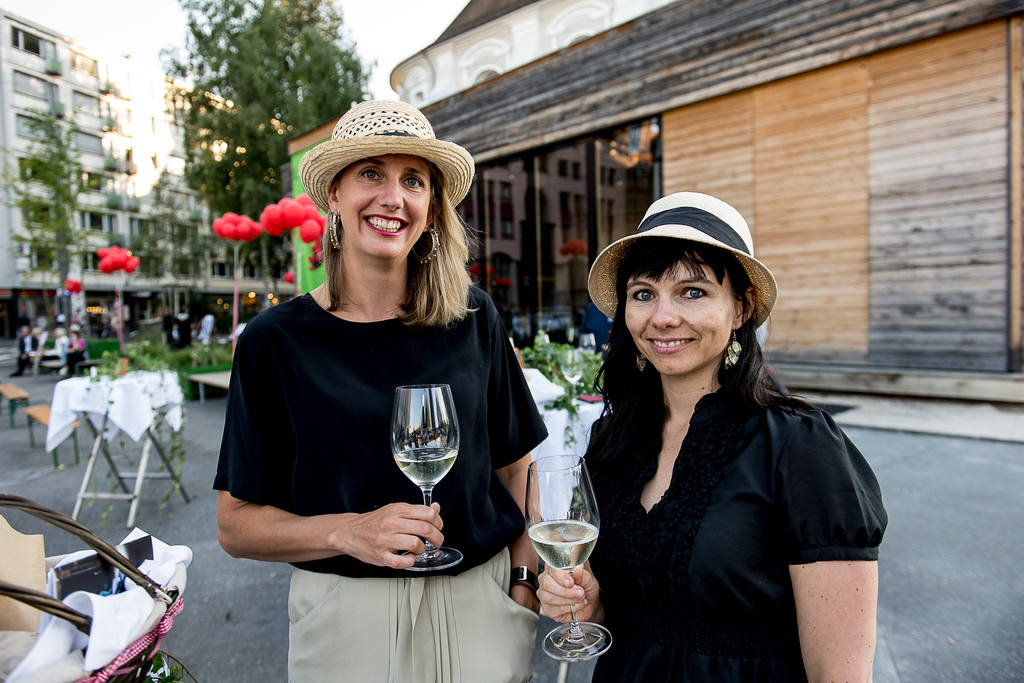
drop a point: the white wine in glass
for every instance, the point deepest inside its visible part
(425, 442)
(571, 365)
(563, 524)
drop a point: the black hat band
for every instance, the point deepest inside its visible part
(698, 219)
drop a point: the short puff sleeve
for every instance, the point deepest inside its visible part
(831, 499)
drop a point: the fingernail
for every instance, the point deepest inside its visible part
(568, 583)
(585, 602)
(579, 593)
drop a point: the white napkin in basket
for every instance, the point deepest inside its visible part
(116, 619)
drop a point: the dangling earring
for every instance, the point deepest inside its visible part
(732, 352)
(435, 245)
(641, 362)
(334, 220)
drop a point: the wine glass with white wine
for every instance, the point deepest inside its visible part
(563, 525)
(571, 365)
(425, 441)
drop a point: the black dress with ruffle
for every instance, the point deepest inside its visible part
(698, 589)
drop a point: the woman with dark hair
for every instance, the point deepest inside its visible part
(739, 525)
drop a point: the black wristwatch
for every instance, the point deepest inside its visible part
(522, 576)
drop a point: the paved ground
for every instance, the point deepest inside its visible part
(951, 604)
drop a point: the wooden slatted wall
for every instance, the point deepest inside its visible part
(791, 157)
(877, 194)
(939, 204)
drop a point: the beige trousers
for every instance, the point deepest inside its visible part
(434, 629)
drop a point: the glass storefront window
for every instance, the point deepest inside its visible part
(539, 220)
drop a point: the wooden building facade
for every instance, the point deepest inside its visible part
(875, 147)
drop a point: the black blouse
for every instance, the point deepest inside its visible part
(308, 424)
(698, 589)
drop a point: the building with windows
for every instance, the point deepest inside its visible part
(876, 148)
(128, 142)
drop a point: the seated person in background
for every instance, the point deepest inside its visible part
(75, 350)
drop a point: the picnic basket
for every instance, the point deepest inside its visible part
(133, 663)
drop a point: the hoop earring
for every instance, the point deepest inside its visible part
(435, 245)
(641, 362)
(334, 220)
(732, 352)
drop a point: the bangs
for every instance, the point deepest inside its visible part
(656, 257)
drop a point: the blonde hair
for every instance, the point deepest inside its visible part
(439, 289)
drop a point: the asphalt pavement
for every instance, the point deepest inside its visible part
(951, 593)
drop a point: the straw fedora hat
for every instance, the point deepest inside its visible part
(377, 127)
(688, 216)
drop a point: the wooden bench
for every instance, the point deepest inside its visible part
(41, 414)
(14, 395)
(219, 380)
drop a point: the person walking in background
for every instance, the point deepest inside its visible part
(60, 345)
(306, 473)
(27, 345)
(739, 525)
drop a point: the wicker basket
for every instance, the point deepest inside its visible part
(134, 662)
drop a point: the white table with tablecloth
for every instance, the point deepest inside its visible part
(132, 404)
(560, 441)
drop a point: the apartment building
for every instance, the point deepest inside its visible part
(127, 140)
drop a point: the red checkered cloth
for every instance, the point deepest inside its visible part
(151, 639)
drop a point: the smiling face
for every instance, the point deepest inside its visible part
(682, 322)
(385, 206)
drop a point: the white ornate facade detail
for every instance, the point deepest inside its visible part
(579, 21)
(507, 43)
(486, 59)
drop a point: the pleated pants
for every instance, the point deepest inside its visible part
(421, 629)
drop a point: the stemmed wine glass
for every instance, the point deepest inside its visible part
(588, 343)
(563, 525)
(572, 365)
(425, 441)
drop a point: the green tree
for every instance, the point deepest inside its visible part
(44, 187)
(258, 74)
(169, 242)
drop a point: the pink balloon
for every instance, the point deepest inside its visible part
(309, 231)
(289, 278)
(229, 230)
(102, 252)
(131, 264)
(294, 214)
(305, 200)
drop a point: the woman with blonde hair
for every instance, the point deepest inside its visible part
(306, 473)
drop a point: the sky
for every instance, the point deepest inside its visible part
(385, 31)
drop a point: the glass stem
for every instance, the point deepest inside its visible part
(575, 633)
(428, 492)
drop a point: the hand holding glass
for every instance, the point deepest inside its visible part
(425, 441)
(563, 525)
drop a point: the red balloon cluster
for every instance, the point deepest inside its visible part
(290, 213)
(231, 226)
(116, 258)
(73, 286)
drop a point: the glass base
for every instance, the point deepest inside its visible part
(440, 558)
(592, 641)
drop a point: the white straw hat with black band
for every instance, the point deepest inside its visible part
(698, 218)
(375, 128)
